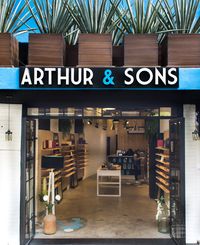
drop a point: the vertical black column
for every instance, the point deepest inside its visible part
(153, 188)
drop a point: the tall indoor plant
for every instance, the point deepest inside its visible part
(54, 22)
(13, 20)
(181, 19)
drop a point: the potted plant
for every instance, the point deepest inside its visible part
(65, 126)
(162, 216)
(50, 218)
(54, 23)
(181, 47)
(151, 127)
(12, 23)
(141, 23)
(96, 21)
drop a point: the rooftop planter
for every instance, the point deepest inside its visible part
(46, 50)
(9, 50)
(54, 22)
(140, 50)
(13, 17)
(140, 21)
(95, 19)
(95, 50)
(180, 18)
(181, 50)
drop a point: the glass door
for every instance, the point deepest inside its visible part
(177, 180)
(28, 182)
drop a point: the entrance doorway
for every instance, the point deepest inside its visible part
(134, 212)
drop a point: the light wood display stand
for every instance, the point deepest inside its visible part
(102, 173)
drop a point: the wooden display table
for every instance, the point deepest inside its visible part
(105, 180)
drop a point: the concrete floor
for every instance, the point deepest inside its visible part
(130, 216)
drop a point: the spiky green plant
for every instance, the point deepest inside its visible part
(140, 17)
(53, 17)
(14, 16)
(94, 16)
(182, 16)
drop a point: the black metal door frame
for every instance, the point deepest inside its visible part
(27, 218)
(177, 181)
(23, 178)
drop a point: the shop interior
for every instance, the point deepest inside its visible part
(104, 174)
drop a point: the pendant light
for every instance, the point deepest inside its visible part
(8, 133)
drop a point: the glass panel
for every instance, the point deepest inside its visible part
(27, 236)
(31, 167)
(31, 188)
(27, 211)
(130, 113)
(27, 191)
(41, 111)
(98, 112)
(111, 112)
(31, 227)
(149, 113)
(31, 211)
(165, 111)
(55, 112)
(47, 111)
(70, 112)
(33, 111)
(92, 112)
(78, 112)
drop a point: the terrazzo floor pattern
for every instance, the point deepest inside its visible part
(130, 216)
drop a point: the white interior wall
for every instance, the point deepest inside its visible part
(96, 139)
(10, 157)
(192, 182)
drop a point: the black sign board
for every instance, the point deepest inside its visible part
(99, 78)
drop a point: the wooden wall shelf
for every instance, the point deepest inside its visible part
(163, 168)
(81, 159)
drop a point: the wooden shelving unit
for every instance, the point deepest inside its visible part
(81, 159)
(68, 151)
(163, 169)
(62, 177)
(57, 173)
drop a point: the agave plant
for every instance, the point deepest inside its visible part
(140, 17)
(53, 17)
(94, 16)
(14, 16)
(182, 16)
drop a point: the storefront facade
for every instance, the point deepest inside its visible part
(185, 101)
(126, 88)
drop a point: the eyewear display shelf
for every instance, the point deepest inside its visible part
(57, 173)
(69, 172)
(81, 159)
(162, 169)
(63, 176)
(126, 163)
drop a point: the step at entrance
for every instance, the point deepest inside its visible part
(102, 241)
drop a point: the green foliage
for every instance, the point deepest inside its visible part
(53, 17)
(180, 17)
(94, 16)
(14, 17)
(139, 18)
(151, 127)
(65, 126)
